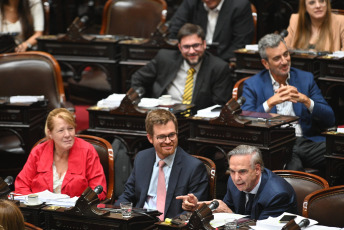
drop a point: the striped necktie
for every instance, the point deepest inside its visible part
(187, 96)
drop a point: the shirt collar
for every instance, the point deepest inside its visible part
(255, 189)
(216, 9)
(275, 83)
(168, 160)
(186, 66)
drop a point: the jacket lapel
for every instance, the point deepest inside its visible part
(146, 174)
(74, 167)
(45, 165)
(174, 177)
(294, 82)
(201, 75)
(267, 89)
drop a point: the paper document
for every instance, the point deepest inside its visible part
(26, 99)
(50, 198)
(219, 218)
(207, 112)
(272, 223)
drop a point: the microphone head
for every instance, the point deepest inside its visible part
(98, 189)
(213, 205)
(9, 180)
(284, 33)
(241, 100)
(140, 91)
(304, 223)
(84, 19)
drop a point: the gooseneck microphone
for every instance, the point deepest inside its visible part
(303, 223)
(213, 205)
(241, 100)
(98, 189)
(9, 180)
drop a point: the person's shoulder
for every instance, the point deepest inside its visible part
(38, 149)
(169, 54)
(258, 76)
(276, 182)
(145, 153)
(301, 73)
(213, 60)
(337, 18)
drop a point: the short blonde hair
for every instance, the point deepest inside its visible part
(159, 117)
(60, 113)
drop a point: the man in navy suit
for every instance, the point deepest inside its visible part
(167, 72)
(252, 189)
(183, 173)
(227, 22)
(289, 91)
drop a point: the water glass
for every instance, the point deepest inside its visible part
(230, 224)
(126, 208)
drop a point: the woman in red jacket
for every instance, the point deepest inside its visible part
(63, 164)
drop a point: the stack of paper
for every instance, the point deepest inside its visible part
(208, 113)
(50, 198)
(26, 99)
(112, 101)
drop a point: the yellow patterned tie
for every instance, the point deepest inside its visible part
(187, 97)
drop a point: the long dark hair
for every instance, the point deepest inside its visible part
(24, 15)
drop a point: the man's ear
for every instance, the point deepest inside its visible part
(265, 63)
(150, 138)
(180, 48)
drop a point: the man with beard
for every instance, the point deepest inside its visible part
(165, 171)
(168, 72)
(252, 189)
(288, 91)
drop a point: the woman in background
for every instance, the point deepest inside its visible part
(64, 163)
(11, 217)
(315, 27)
(24, 17)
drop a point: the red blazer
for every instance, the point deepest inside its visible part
(84, 169)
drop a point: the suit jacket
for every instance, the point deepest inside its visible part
(234, 28)
(188, 175)
(213, 83)
(84, 169)
(275, 196)
(258, 89)
(337, 30)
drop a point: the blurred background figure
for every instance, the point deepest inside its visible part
(11, 217)
(25, 19)
(315, 27)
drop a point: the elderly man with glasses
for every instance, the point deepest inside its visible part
(162, 173)
(190, 75)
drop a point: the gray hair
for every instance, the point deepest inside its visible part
(248, 150)
(269, 41)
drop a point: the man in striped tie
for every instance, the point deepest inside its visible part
(190, 75)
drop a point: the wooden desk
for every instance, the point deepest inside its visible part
(249, 63)
(58, 219)
(334, 158)
(100, 51)
(33, 215)
(274, 141)
(130, 128)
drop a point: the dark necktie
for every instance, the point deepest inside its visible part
(249, 203)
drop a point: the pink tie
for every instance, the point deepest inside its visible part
(161, 191)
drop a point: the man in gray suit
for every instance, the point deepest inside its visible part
(168, 72)
(227, 22)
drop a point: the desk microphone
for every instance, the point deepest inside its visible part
(303, 223)
(241, 100)
(9, 180)
(140, 91)
(284, 33)
(98, 189)
(213, 205)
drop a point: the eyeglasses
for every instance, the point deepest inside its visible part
(162, 138)
(196, 46)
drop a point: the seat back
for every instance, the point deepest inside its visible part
(326, 206)
(105, 153)
(338, 11)
(255, 19)
(137, 18)
(211, 170)
(238, 87)
(32, 73)
(303, 184)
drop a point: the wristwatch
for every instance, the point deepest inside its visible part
(28, 44)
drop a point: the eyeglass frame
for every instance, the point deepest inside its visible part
(195, 46)
(162, 138)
